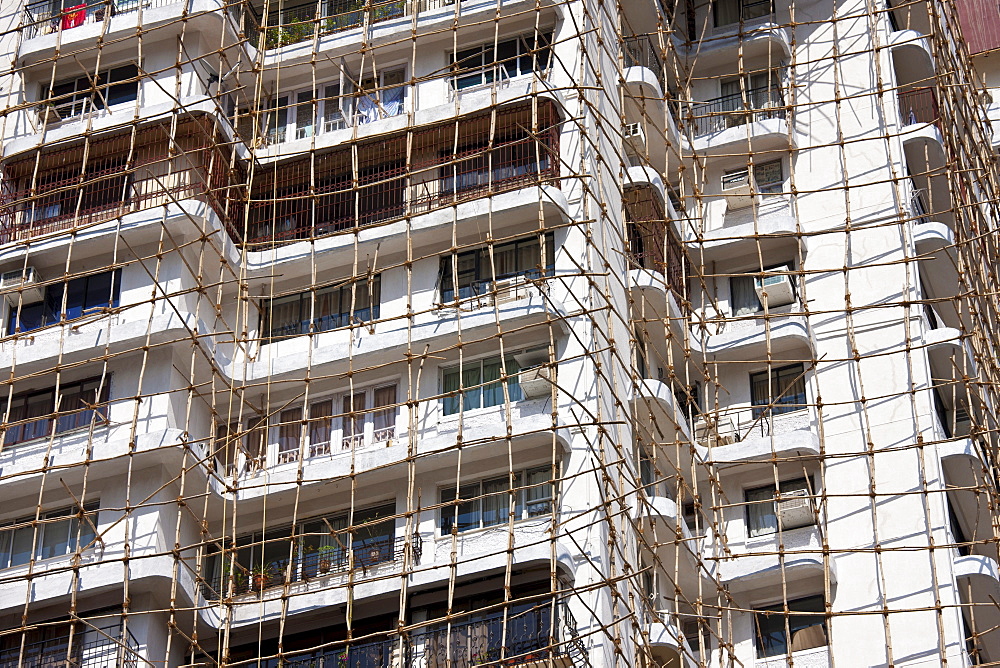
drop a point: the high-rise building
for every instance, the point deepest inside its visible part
(441, 333)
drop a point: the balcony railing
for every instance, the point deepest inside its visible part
(45, 18)
(490, 158)
(652, 243)
(89, 647)
(117, 179)
(918, 105)
(529, 636)
(302, 23)
(643, 51)
(362, 556)
(730, 111)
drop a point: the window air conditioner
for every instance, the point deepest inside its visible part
(778, 288)
(794, 510)
(536, 382)
(635, 137)
(736, 188)
(21, 285)
(724, 434)
(510, 289)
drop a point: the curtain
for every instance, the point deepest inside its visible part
(744, 295)
(727, 12)
(761, 518)
(320, 426)
(354, 418)
(471, 378)
(286, 318)
(496, 502)
(289, 434)
(385, 419)
(493, 388)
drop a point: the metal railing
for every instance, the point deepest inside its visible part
(642, 51)
(118, 182)
(489, 160)
(100, 647)
(729, 111)
(363, 555)
(525, 637)
(918, 105)
(302, 23)
(44, 17)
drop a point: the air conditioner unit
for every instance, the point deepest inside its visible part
(736, 188)
(724, 433)
(778, 289)
(510, 289)
(536, 382)
(635, 137)
(22, 285)
(795, 509)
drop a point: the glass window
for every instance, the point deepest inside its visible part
(289, 432)
(31, 414)
(73, 299)
(802, 627)
(321, 310)
(768, 177)
(58, 533)
(762, 514)
(482, 64)
(476, 271)
(478, 384)
(488, 502)
(781, 390)
(75, 97)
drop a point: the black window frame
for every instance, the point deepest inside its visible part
(67, 419)
(769, 622)
(346, 294)
(479, 279)
(782, 401)
(81, 95)
(452, 504)
(95, 298)
(519, 55)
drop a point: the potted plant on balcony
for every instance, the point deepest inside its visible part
(261, 576)
(326, 554)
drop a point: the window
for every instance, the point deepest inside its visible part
(785, 388)
(768, 177)
(365, 417)
(478, 384)
(476, 273)
(31, 413)
(381, 96)
(75, 97)
(743, 289)
(484, 64)
(796, 508)
(59, 532)
(758, 93)
(487, 503)
(802, 627)
(728, 12)
(83, 296)
(322, 309)
(299, 114)
(322, 545)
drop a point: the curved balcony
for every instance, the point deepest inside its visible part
(921, 133)
(666, 532)
(766, 441)
(978, 581)
(798, 558)
(774, 230)
(777, 332)
(968, 479)
(754, 120)
(911, 57)
(760, 40)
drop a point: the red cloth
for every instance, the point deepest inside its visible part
(74, 16)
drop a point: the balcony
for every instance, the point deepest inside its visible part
(532, 636)
(644, 70)
(43, 17)
(362, 559)
(653, 242)
(289, 204)
(757, 116)
(116, 179)
(91, 646)
(911, 57)
(303, 22)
